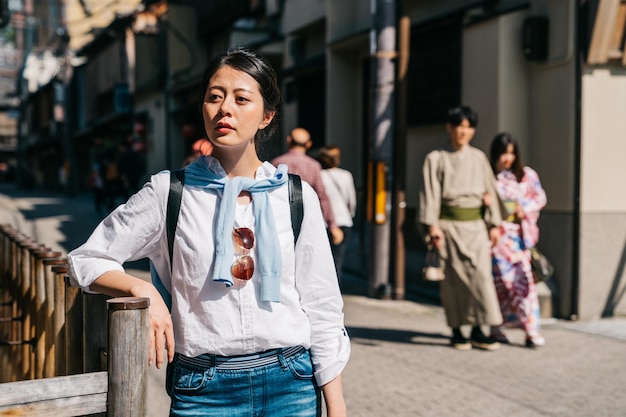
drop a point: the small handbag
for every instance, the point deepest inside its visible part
(540, 265)
(432, 270)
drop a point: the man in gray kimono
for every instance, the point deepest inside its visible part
(460, 213)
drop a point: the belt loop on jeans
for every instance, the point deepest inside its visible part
(255, 360)
(281, 360)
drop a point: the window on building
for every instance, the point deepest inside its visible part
(434, 74)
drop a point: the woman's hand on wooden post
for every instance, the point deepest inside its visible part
(161, 331)
(120, 284)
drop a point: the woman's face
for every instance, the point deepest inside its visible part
(460, 135)
(506, 159)
(233, 109)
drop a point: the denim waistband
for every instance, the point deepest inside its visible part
(254, 360)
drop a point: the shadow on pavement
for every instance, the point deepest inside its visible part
(366, 335)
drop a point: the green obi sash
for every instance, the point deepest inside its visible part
(461, 214)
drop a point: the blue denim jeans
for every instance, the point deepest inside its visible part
(285, 388)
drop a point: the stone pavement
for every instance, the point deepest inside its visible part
(401, 363)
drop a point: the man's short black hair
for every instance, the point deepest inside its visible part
(456, 115)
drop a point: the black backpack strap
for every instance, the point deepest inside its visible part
(295, 203)
(177, 180)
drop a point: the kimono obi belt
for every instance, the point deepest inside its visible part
(510, 209)
(461, 214)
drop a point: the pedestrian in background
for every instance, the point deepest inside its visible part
(256, 324)
(299, 163)
(521, 192)
(456, 178)
(339, 184)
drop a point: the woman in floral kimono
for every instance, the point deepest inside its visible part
(520, 190)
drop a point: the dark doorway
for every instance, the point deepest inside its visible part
(312, 105)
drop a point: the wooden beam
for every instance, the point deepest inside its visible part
(603, 29)
(616, 48)
(63, 396)
(46, 389)
(618, 29)
(623, 13)
(63, 407)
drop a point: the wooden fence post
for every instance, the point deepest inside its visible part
(59, 319)
(73, 329)
(128, 356)
(50, 305)
(16, 253)
(9, 304)
(26, 288)
(94, 331)
(40, 308)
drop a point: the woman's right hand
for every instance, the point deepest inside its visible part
(120, 284)
(161, 327)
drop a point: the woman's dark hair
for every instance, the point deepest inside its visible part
(499, 145)
(456, 115)
(256, 66)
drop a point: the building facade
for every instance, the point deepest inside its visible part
(552, 72)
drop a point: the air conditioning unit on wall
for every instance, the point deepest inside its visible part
(535, 31)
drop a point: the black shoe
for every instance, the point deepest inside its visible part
(535, 340)
(480, 341)
(458, 341)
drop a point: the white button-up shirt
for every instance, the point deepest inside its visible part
(207, 316)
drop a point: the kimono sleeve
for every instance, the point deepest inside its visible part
(430, 190)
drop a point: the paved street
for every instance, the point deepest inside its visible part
(401, 363)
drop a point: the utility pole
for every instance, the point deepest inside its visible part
(382, 128)
(398, 212)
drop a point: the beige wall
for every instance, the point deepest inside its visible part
(495, 80)
(602, 265)
(602, 260)
(480, 78)
(552, 107)
(603, 140)
(552, 147)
